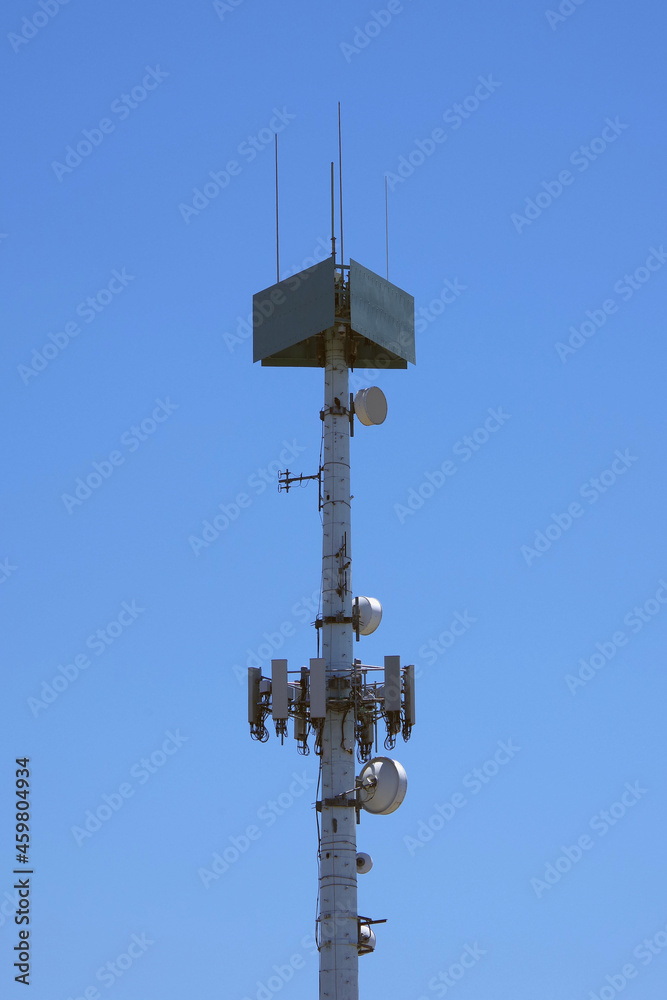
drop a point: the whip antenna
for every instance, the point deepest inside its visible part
(333, 235)
(340, 185)
(386, 223)
(277, 243)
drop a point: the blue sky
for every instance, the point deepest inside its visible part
(517, 486)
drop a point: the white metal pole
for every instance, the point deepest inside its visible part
(338, 928)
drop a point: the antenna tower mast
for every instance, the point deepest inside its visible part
(338, 316)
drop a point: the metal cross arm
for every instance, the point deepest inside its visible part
(285, 480)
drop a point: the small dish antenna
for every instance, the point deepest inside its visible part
(364, 863)
(369, 614)
(385, 794)
(370, 405)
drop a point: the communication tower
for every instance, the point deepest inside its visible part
(338, 317)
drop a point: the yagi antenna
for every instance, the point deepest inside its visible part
(277, 243)
(340, 186)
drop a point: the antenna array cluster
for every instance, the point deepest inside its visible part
(391, 700)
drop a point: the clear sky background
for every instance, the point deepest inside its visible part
(543, 207)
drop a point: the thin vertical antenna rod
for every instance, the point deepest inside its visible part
(386, 223)
(333, 234)
(340, 185)
(277, 243)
